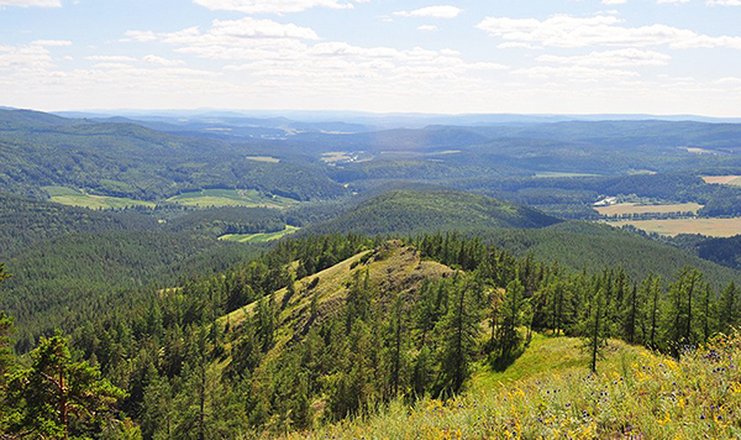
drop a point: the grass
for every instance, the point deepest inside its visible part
(559, 174)
(208, 198)
(723, 180)
(73, 197)
(712, 227)
(635, 208)
(549, 393)
(261, 237)
(264, 159)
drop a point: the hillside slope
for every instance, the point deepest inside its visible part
(590, 246)
(124, 159)
(391, 268)
(402, 212)
(548, 393)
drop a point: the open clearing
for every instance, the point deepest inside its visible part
(723, 180)
(231, 197)
(712, 227)
(259, 238)
(634, 208)
(74, 197)
(264, 159)
(559, 174)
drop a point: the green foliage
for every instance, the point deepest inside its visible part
(59, 396)
(407, 212)
(127, 160)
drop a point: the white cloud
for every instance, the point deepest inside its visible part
(52, 43)
(244, 33)
(723, 2)
(111, 58)
(672, 1)
(597, 30)
(32, 3)
(427, 28)
(575, 73)
(614, 2)
(154, 59)
(440, 11)
(614, 58)
(271, 6)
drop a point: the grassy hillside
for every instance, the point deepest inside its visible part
(393, 267)
(549, 393)
(407, 212)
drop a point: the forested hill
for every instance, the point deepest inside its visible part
(407, 211)
(123, 159)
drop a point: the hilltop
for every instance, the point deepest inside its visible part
(402, 212)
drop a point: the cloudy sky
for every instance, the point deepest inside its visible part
(467, 56)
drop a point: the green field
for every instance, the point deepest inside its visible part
(231, 197)
(74, 197)
(265, 159)
(259, 238)
(559, 174)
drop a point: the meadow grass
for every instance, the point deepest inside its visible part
(73, 197)
(261, 237)
(230, 197)
(550, 394)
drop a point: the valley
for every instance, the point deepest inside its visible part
(338, 283)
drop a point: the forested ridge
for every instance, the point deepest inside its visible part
(327, 327)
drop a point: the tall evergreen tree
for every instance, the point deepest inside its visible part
(729, 308)
(459, 330)
(596, 328)
(508, 337)
(62, 397)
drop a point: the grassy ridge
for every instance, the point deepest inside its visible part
(548, 393)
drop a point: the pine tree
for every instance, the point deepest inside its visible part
(62, 397)
(596, 328)
(631, 317)
(682, 308)
(729, 304)
(653, 288)
(459, 330)
(395, 347)
(508, 336)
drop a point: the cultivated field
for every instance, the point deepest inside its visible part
(259, 238)
(723, 180)
(712, 227)
(74, 197)
(634, 208)
(230, 197)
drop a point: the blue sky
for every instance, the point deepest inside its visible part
(469, 56)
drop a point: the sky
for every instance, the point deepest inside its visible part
(425, 56)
